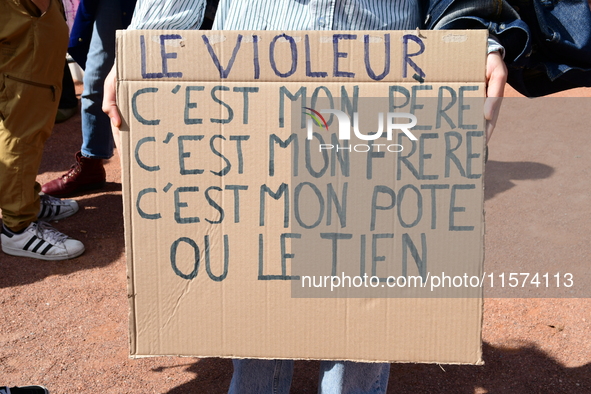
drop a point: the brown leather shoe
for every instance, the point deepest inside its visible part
(86, 174)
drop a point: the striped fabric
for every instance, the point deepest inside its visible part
(317, 15)
(285, 15)
(168, 14)
(280, 14)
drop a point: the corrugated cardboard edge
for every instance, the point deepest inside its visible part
(479, 361)
(126, 193)
(484, 155)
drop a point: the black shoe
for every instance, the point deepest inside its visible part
(24, 390)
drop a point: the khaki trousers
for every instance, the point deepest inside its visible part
(32, 53)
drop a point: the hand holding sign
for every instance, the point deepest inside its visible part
(110, 105)
(496, 77)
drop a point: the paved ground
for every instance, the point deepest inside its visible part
(64, 324)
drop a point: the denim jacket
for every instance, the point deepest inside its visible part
(84, 23)
(547, 42)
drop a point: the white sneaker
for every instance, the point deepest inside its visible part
(55, 209)
(40, 241)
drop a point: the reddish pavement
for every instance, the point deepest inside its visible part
(64, 324)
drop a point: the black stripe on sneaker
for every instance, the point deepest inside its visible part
(39, 244)
(49, 246)
(30, 242)
(57, 210)
(43, 209)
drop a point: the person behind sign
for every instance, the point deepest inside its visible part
(33, 37)
(267, 376)
(274, 376)
(92, 45)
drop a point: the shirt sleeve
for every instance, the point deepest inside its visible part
(495, 46)
(168, 15)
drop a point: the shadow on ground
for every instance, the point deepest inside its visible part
(499, 175)
(521, 370)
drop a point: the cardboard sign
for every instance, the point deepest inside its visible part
(304, 194)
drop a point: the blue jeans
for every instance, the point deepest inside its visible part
(336, 377)
(97, 139)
